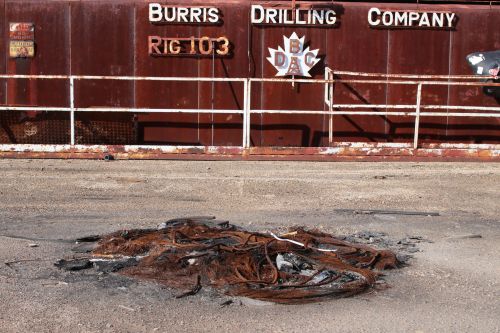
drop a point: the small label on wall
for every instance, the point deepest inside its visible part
(21, 31)
(22, 40)
(22, 49)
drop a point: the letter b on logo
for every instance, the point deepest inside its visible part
(294, 46)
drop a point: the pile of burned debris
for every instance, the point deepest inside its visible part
(296, 267)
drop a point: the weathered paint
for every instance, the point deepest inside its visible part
(344, 151)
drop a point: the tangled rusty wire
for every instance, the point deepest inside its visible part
(297, 267)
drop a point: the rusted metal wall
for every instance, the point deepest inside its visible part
(110, 38)
(51, 21)
(102, 43)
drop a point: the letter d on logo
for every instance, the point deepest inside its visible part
(279, 59)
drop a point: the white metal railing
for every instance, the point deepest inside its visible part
(418, 107)
(246, 111)
(72, 109)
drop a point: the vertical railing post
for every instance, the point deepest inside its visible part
(329, 101)
(245, 113)
(326, 85)
(330, 109)
(249, 105)
(417, 116)
(72, 107)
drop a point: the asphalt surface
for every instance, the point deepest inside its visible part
(452, 283)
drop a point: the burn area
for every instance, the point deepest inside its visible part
(189, 254)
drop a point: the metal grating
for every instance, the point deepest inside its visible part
(34, 127)
(112, 128)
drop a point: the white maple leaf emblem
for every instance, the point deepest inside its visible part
(293, 60)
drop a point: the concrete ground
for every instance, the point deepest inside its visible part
(451, 285)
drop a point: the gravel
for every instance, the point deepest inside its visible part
(451, 281)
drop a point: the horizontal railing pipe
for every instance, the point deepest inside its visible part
(413, 110)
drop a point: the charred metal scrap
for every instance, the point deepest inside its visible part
(297, 267)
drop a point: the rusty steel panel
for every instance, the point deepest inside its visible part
(91, 37)
(101, 37)
(288, 130)
(204, 129)
(52, 46)
(279, 129)
(355, 46)
(420, 52)
(225, 129)
(477, 31)
(51, 41)
(165, 128)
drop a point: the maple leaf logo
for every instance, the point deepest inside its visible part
(293, 60)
